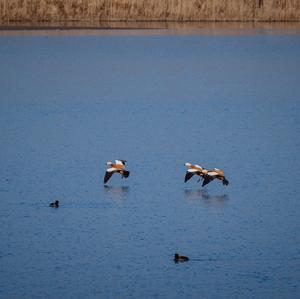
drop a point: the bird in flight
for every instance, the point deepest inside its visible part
(206, 175)
(118, 166)
(215, 174)
(192, 170)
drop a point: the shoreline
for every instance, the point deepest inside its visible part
(150, 28)
(70, 25)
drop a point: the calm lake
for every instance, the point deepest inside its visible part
(69, 103)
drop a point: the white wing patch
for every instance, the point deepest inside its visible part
(198, 166)
(119, 162)
(192, 170)
(212, 173)
(111, 169)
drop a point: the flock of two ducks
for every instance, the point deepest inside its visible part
(206, 175)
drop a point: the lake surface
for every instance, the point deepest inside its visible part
(68, 104)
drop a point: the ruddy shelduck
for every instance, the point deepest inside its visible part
(206, 175)
(118, 166)
(215, 174)
(193, 169)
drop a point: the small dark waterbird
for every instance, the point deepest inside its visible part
(54, 204)
(180, 258)
(118, 166)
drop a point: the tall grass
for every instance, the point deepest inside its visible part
(149, 10)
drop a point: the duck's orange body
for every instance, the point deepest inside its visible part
(118, 166)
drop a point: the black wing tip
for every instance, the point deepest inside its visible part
(188, 175)
(225, 182)
(207, 179)
(126, 173)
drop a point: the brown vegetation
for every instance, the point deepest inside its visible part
(149, 10)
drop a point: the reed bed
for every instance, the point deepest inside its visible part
(149, 10)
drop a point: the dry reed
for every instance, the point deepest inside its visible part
(149, 10)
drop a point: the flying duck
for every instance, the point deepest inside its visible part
(193, 169)
(180, 258)
(206, 175)
(54, 204)
(118, 166)
(215, 174)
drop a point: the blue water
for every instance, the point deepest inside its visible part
(68, 104)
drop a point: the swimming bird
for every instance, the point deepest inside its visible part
(118, 166)
(215, 173)
(193, 169)
(180, 258)
(54, 204)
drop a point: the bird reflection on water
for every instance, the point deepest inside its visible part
(205, 198)
(116, 191)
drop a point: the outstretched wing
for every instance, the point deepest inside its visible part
(107, 176)
(207, 179)
(225, 182)
(188, 175)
